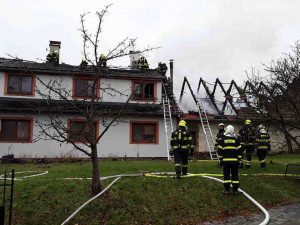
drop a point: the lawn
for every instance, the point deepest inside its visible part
(48, 199)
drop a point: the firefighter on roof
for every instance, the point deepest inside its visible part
(181, 148)
(102, 61)
(83, 63)
(142, 63)
(230, 155)
(219, 137)
(247, 138)
(162, 68)
(262, 145)
(53, 57)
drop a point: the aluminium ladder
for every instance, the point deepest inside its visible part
(207, 132)
(168, 122)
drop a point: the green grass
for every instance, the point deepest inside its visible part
(145, 200)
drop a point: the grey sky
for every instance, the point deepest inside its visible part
(215, 38)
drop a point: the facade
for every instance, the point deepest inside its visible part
(24, 87)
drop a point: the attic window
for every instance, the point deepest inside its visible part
(19, 84)
(144, 91)
(86, 88)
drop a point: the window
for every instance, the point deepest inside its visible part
(19, 84)
(85, 88)
(16, 130)
(145, 132)
(81, 131)
(144, 90)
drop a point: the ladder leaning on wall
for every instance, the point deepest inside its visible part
(204, 121)
(168, 121)
(207, 132)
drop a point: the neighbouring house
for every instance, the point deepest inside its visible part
(140, 131)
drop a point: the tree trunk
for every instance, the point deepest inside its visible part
(96, 178)
(289, 144)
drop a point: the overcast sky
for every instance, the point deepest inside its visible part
(208, 38)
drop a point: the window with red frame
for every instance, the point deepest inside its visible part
(19, 84)
(81, 131)
(144, 133)
(15, 130)
(86, 88)
(144, 90)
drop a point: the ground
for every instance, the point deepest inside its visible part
(48, 199)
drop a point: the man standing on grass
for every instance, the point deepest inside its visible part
(247, 138)
(181, 148)
(262, 145)
(230, 155)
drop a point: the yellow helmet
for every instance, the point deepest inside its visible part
(182, 123)
(248, 122)
(83, 59)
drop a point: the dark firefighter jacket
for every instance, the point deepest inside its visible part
(52, 57)
(263, 141)
(229, 149)
(219, 137)
(181, 140)
(143, 63)
(246, 135)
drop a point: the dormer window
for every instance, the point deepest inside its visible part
(86, 88)
(144, 90)
(19, 84)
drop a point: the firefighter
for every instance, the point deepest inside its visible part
(83, 63)
(162, 68)
(142, 63)
(262, 145)
(53, 57)
(230, 155)
(219, 137)
(181, 148)
(102, 61)
(247, 138)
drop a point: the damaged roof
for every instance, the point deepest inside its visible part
(18, 65)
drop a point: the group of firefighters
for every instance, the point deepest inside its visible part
(53, 58)
(230, 148)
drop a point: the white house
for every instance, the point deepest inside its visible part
(140, 132)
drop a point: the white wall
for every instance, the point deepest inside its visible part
(115, 143)
(66, 82)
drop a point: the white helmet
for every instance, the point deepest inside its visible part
(261, 127)
(230, 130)
(221, 124)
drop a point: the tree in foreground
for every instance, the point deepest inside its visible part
(277, 96)
(83, 134)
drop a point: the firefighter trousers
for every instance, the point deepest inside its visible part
(261, 154)
(231, 175)
(181, 161)
(249, 150)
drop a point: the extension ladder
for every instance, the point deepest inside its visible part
(207, 132)
(168, 122)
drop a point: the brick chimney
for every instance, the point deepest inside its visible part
(55, 45)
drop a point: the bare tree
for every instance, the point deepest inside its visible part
(84, 136)
(277, 95)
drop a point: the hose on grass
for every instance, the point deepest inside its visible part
(92, 199)
(267, 216)
(157, 174)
